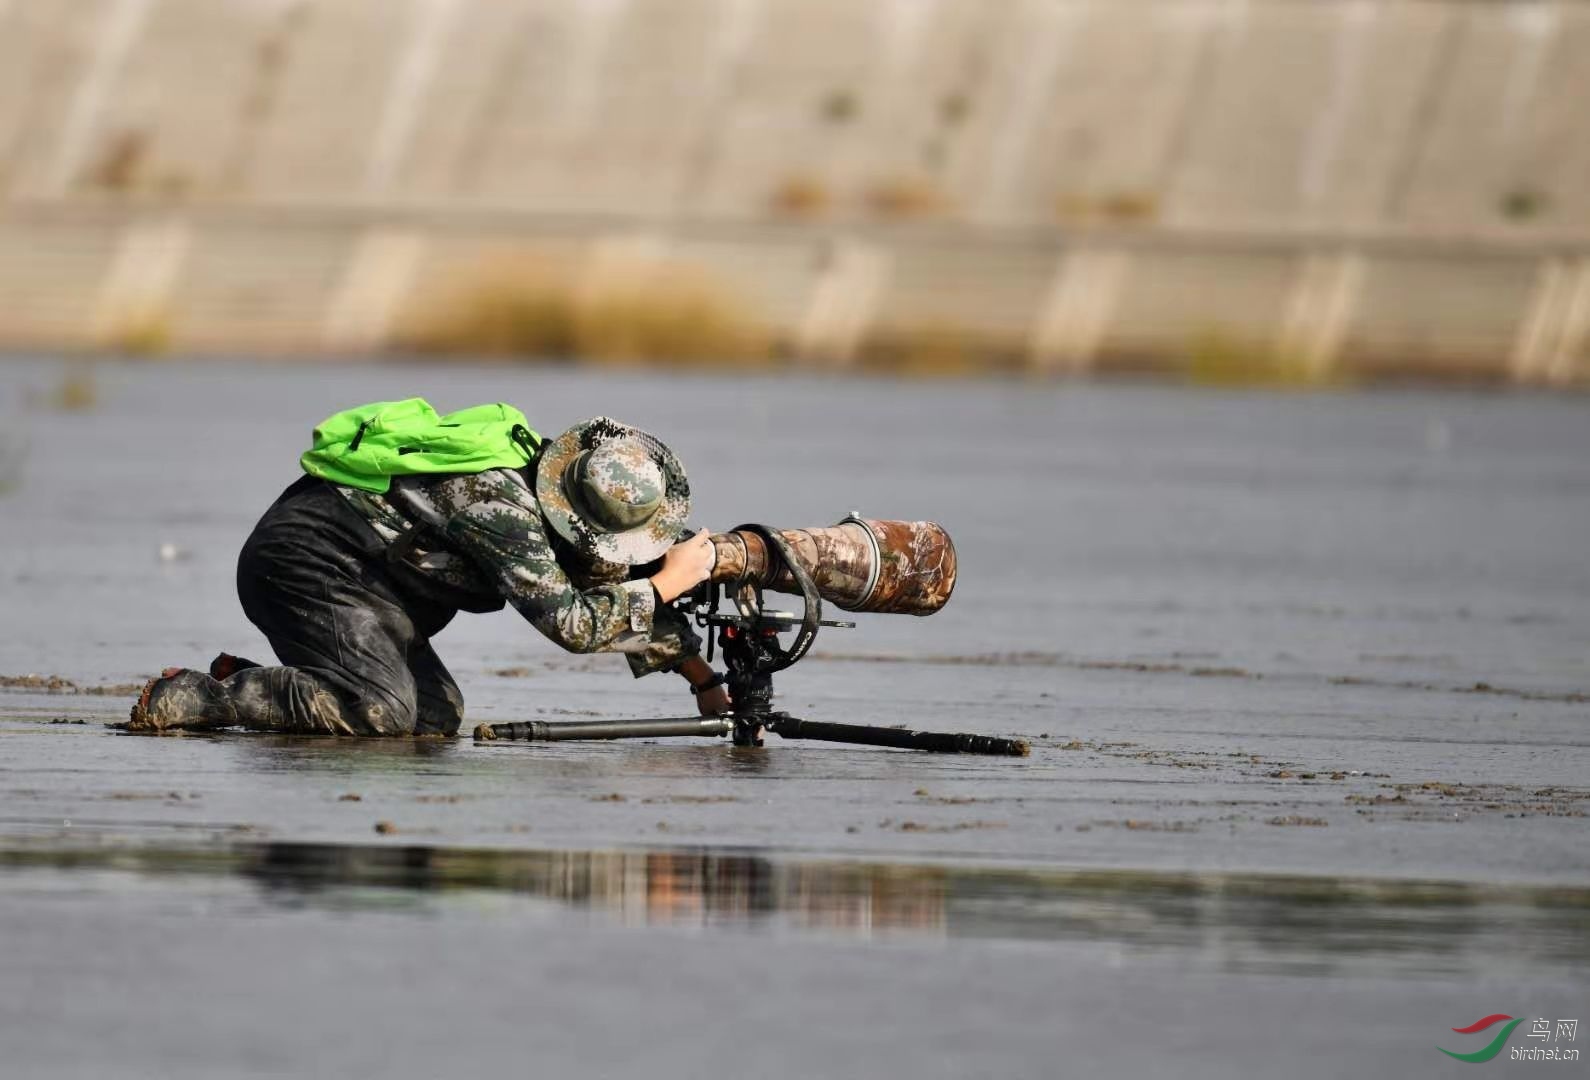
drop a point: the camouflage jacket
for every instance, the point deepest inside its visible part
(487, 543)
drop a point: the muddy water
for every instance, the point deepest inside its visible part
(1306, 678)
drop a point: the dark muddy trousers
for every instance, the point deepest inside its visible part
(355, 648)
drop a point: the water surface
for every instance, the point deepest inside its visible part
(1305, 678)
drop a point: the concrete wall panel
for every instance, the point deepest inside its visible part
(198, 70)
(1553, 153)
(1172, 302)
(1114, 111)
(1426, 313)
(797, 107)
(47, 52)
(51, 277)
(266, 285)
(993, 292)
(1218, 157)
(1441, 115)
(317, 141)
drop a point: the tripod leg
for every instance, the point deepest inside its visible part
(542, 731)
(939, 742)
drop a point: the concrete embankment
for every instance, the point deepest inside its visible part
(1292, 190)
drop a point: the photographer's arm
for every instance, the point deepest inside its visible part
(714, 699)
(506, 537)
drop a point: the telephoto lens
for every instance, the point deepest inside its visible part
(860, 564)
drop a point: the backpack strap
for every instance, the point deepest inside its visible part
(408, 502)
(527, 441)
(422, 518)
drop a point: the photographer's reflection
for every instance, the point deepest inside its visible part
(669, 887)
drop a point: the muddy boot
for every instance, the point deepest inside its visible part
(182, 699)
(225, 665)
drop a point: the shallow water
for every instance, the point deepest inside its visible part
(1301, 925)
(1392, 537)
(1305, 676)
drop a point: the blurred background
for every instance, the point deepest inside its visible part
(1251, 191)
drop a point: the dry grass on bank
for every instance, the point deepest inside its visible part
(1217, 357)
(526, 306)
(78, 390)
(142, 333)
(1112, 208)
(938, 349)
(801, 196)
(907, 197)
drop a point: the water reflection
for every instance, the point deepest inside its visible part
(669, 887)
(1232, 922)
(361, 757)
(296, 753)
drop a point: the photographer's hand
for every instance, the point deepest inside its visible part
(685, 565)
(714, 700)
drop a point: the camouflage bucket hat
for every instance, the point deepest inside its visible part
(614, 492)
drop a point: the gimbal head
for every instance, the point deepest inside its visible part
(752, 651)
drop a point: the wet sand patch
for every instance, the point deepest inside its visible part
(59, 684)
(958, 826)
(1155, 667)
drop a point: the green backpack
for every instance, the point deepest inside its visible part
(367, 446)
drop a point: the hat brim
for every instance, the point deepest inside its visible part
(638, 545)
